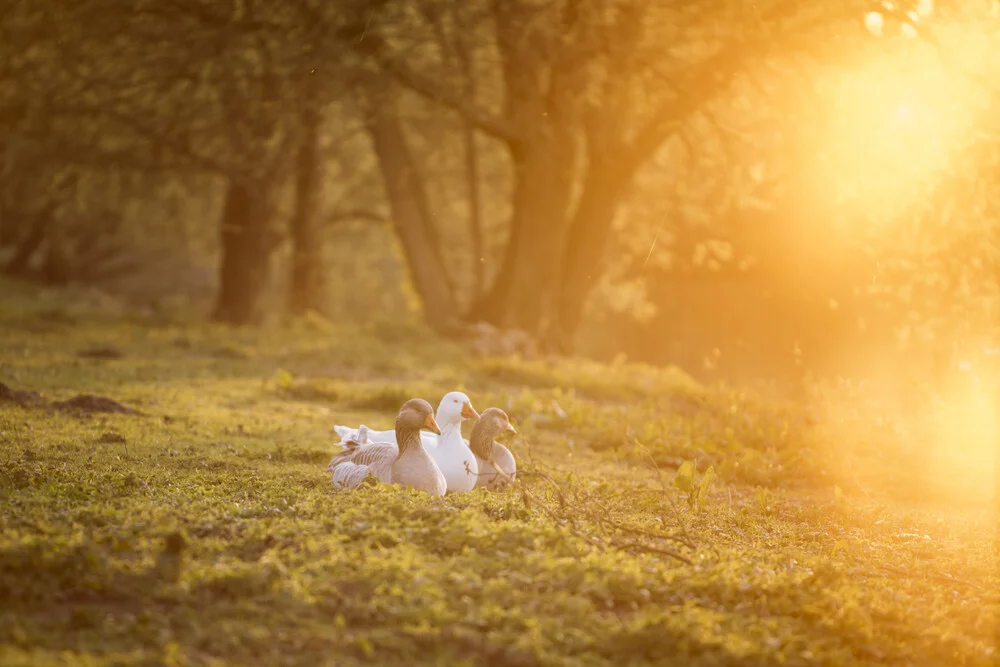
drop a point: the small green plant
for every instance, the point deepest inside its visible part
(763, 499)
(694, 487)
(284, 379)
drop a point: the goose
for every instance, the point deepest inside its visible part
(406, 463)
(449, 450)
(491, 455)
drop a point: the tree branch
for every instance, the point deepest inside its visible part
(159, 140)
(713, 75)
(372, 46)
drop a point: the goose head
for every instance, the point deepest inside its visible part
(416, 414)
(454, 408)
(493, 423)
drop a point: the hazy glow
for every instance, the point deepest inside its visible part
(936, 442)
(964, 436)
(874, 23)
(892, 130)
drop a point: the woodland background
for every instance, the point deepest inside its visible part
(766, 191)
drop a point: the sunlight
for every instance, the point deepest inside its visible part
(938, 442)
(893, 127)
(904, 112)
(963, 436)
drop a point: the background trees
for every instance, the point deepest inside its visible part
(734, 189)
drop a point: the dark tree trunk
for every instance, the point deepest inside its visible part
(247, 244)
(541, 106)
(585, 250)
(307, 285)
(410, 211)
(541, 200)
(522, 294)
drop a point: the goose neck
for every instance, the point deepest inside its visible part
(407, 438)
(481, 445)
(450, 432)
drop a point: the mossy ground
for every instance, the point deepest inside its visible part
(205, 531)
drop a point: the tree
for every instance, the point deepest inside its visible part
(233, 92)
(307, 285)
(408, 203)
(588, 95)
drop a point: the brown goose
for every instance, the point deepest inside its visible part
(407, 464)
(491, 455)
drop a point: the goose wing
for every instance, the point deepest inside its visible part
(374, 456)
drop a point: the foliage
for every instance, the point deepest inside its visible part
(781, 166)
(687, 482)
(206, 531)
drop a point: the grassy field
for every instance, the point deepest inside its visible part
(200, 527)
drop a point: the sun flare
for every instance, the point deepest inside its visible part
(892, 128)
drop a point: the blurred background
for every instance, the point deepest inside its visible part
(784, 194)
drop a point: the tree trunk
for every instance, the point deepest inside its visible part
(307, 285)
(542, 104)
(541, 200)
(410, 210)
(475, 216)
(247, 244)
(490, 306)
(472, 174)
(585, 249)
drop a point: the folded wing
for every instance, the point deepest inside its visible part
(349, 467)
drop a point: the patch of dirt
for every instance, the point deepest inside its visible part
(24, 398)
(91, 403)
(85, 403)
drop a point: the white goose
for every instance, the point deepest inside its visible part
(449, 450)
(407, 463)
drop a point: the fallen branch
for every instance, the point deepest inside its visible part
(656, 550)
(573, 513)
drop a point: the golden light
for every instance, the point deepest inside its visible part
(904, 112)
(899, 124)
(874, 23)
(892, 128)
(963, 436)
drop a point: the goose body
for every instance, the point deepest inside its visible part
(406, 463)
(448, 449)
(488, 475)
(497, 466)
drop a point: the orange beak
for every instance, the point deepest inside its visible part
(469, 412)
(510, 427)
(431, 425)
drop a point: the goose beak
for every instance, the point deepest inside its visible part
(510, 427)
(469, 412)
(431, 425)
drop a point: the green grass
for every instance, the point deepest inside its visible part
(205, 531)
